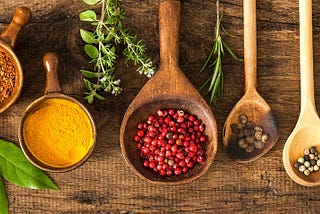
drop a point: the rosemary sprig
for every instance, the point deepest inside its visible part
(101, 48)
(214, 83)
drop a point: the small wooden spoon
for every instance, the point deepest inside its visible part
(52, 90)
(307, 130)
(251, 104)
(169, 88)
(21, 17)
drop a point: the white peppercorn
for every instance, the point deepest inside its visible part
(302, 168)
(306, 172)
(301, 160)
(307, 163)
(310, 168)
(306, 152)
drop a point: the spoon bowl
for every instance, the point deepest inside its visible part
(257, 110)
(168, 88)
(251, 104)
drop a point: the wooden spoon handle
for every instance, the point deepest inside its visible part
(306, 55)
(51, 62)
(250, 44)
(169, 25)
(21, 17)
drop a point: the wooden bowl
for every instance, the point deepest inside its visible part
(21, 17)
(52, 91)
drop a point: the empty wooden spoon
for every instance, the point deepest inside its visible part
(169, 88)
(307, 130)
(251, 104)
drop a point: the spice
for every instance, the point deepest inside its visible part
(170, 142)
(309, 162)
(249, 135)
(7, 76)
(58, 133)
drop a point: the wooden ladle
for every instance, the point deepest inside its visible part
(169, 88)
(307, 130)
(251, 104)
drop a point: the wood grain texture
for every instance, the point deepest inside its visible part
(105, 184)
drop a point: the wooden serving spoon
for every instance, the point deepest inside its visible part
(307, 130)
(251, 104)
(169, 88)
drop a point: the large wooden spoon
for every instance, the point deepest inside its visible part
(251, 104)
(169, 88)
(307, 130)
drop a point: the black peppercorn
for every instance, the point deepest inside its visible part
(306, 157)
(313, 149)
(313, 162)
(297, 165)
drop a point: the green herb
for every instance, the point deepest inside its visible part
(101, 48)
(214, 83)
(15, 168)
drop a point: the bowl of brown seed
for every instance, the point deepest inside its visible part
(11, 75)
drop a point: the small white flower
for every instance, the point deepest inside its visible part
(103, 79)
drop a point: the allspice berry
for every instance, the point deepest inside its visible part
(249, 135)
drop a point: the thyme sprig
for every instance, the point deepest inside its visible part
(101, 48)
(214, 83)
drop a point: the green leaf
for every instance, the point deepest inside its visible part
(88, 84)
(91, 51)
(3, 198)
(15, 168)
(91, 2)
(88, 36)
(90, 98)
(88, 16)
(89, 74)
(99, 96)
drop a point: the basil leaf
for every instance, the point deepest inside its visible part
(3, 198)
(88, 36)
(88, 16)
(91, 51)
(91, 2)
(15, 168)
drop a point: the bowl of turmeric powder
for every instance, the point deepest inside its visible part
(11, 75)
(57, 133)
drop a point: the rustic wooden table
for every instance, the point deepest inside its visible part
(105, 184)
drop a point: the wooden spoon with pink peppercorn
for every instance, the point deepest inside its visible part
(169, 88)
(251, 104)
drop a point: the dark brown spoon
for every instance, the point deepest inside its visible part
(169, 88)
(251, 104)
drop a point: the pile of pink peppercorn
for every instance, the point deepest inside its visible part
(170, 141)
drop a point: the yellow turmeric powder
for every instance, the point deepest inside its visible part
(58, 133)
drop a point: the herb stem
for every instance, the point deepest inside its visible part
(216, 80)
(101, 47)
